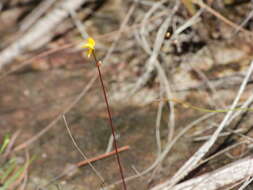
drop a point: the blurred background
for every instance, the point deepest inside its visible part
(167, 66)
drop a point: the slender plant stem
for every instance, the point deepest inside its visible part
(110, 121)
(102, 156)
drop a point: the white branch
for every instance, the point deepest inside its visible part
(227, 175)
(36, 14)
(43, 28)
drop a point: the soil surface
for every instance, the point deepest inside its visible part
(205, 68)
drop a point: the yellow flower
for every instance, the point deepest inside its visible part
(90, 45)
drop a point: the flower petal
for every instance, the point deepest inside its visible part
(89, 52)
(89, 45)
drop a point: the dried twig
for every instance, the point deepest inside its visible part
(79, 25)
(108, 37)
(245, 21)
(143, 29)
(247, 182)
(36, 14)
(153, 63)
(150, 66)
(165, 81)
(167, 148)
(122, 28)
(70, 169)
(102, 156)
(81, 152)
(193, 161)
(217, 179)
(158, 123)
(43, 28)
(221, 17)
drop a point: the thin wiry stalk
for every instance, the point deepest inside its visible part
(80, 151)
(110, 120)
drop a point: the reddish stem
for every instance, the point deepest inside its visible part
(102, 156)
(110, 121)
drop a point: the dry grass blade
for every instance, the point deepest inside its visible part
(150, 66)
(221, 17)
(200, 153)
(81, 152)
(246, 183)
(158, 124)
(246, 20)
